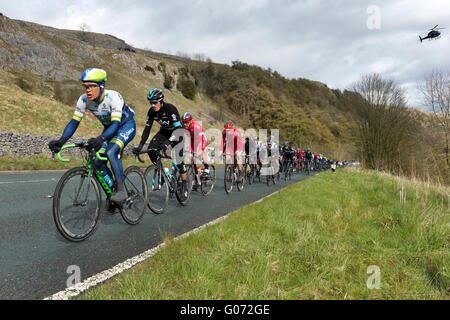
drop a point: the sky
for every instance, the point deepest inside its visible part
(331, 41)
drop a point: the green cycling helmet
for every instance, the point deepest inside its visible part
(94, 75)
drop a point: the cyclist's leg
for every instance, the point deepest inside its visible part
(159, 142)
(125, 134)
(180, 164)
(100, 164)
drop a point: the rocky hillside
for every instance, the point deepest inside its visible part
(41, 67)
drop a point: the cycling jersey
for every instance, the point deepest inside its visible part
(197, 136)
(168, 118)
(287, 151)
(111, 108)
(271, 149)
(231, 141)
(119, 127)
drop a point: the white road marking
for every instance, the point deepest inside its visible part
(119, 268)
(27, 181)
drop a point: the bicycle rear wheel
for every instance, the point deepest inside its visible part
(76, 209)
(269, 175)
(246, 173)
(241, 183)
(209, 181)
(158, 189)
(228, 178)
(133, 208)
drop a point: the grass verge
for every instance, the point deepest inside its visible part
(314, 240)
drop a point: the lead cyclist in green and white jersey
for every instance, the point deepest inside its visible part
(118, 121)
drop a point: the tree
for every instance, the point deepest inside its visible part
(436, 92)
(385, 125)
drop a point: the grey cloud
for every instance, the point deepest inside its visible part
(328, 41)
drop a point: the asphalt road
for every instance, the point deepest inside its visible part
(34, 257)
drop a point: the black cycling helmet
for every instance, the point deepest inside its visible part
(187, 116)
(155, 95)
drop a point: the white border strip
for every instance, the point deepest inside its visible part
(119, 268)
(27, 181)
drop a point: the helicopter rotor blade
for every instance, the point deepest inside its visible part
(434, 27)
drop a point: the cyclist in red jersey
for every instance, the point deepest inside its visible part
(198, 138)
(232, 143)
(298, 153)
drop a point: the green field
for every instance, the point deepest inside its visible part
(316, 239)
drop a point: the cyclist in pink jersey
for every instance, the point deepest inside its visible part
(232, 143)
(198, 138)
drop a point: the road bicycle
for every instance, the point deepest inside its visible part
(249, 170)
(205, 179)
(77, 198)
(232, 174)
(287, 169)
(163, 183)
(257, 171)
(307, 166)
(273, 172)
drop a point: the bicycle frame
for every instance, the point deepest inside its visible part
(90, 166)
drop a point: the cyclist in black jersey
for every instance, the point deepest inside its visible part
(168, 117)
(287, 154)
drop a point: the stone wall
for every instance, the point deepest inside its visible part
(25, 146)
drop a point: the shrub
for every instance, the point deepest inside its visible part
(162, 67)
(187, 88)
(149, 68)
(168, 81)
(24, 85)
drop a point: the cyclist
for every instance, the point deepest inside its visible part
(232, 144)
(298, 154)
(273, 158)
(258, 145)
(316, 157)
(119, 127)
(286, 154)
(198, 138)
(252, 149)
(308, 157)
(168, 117)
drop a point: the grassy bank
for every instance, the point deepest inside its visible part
(313, 240)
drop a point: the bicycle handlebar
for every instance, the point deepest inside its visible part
(79, 145)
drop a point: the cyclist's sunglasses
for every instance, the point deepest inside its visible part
(89, 86)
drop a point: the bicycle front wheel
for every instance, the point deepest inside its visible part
(133, 208)
(208, 181)
(158, 189)
(182, 198)
(76, 204)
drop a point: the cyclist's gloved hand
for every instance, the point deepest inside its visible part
(96, 143)
(56, 145)
(136, 150)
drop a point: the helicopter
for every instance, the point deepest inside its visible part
(432, 34)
